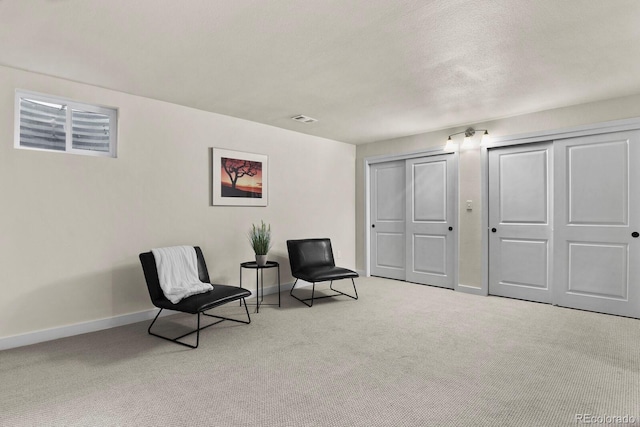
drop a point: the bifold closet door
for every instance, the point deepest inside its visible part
(597, 223)
(430, 243)
(387, 238)
(520, 215)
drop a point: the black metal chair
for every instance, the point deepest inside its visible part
(195, 304)
(311, 260)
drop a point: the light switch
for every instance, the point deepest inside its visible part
(469, 205)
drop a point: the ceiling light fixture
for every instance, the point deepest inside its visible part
(468, 136)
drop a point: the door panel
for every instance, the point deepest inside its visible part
(529, 274)
(429, 254)
(389, 203)
(598, 186)
(430, 191)
(519, 221)
(595, 217)
(392, 253)
(607, 275)
(430, 204)
(388, 220)
(523, 185)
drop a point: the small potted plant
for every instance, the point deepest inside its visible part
(260, 239)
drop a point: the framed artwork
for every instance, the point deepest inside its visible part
(239, 179)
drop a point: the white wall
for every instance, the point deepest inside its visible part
(470, 273)
(71, 227)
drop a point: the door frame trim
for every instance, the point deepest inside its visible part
(429, 152)
(527, 138)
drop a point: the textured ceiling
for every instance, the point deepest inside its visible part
(366, 69)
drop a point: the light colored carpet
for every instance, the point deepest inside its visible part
(402, 355)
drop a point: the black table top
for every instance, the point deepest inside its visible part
(253, 264)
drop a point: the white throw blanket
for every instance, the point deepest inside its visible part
(178, 272)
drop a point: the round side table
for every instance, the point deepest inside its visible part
(260, 284)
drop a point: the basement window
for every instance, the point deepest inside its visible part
(49, 123)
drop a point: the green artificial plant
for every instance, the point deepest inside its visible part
(260, 238)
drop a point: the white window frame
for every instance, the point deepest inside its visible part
(111, 112)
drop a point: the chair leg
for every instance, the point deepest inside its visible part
(197, 331)
(342, 293)
(176, 340)
(313, 291)
(304, 301)
(242, 301)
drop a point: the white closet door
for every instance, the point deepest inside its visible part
(430, 244)
(597, 218)
(520, 229)
(387, 237)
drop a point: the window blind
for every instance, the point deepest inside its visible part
(42, 125)
(90, 130)
(45, 121)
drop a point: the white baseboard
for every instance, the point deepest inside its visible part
(270, 289)
(77, 329)
(101, 324)
(470, 290)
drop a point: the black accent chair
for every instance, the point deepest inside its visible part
(195, 304)
(311, 260)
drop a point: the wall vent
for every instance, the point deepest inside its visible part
(304, 119)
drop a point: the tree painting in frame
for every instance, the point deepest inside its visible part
(239, 179)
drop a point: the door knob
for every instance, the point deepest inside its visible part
(450, 228)
(373, 226)
(635, 234)
(493, 230)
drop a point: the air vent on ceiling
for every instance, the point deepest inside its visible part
(304, 119)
